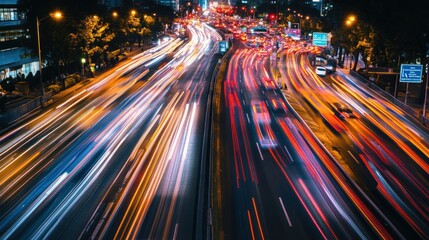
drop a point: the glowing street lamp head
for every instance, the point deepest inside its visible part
(352, 18)
(133, 12)
(115, 14)
(57, 15)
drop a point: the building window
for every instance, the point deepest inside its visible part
(8, 35)
(9, 14)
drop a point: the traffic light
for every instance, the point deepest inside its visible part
(272, 16)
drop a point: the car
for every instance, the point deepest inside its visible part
(269, 84)
(342, 110)
(331, 65)
(278, 105)
(260, 111)
(265, 135)
(321, 71)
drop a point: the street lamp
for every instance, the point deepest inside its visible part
(350, 20)
(83, 61)
(56, 15)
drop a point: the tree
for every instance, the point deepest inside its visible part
(92, 38)
(56, 50)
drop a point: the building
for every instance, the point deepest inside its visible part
(324, 6)
(173, 4)
(113, 3)
(14, 59)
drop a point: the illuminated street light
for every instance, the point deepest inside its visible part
(115, 14)
(83, 61)
(133, 12)
(56, 15)
(350, 20)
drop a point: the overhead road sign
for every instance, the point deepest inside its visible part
(411, 73)
(223, 47)
(320, 39)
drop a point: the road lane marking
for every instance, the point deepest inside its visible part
(260, 153)
(288, 153)
(244, 104)
(275, 92)
(257, 219)
(241, 90)
(354, 158)
(251, 224)
(284, 210)
(248, 119)
(263, 92)
(176, 228)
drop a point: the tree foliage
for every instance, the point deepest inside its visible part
(392, 28)
(92, 38)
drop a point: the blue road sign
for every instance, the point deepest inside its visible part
(223, 46)
(320, 39)
(411, 73)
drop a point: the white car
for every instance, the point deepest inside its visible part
(321, 71)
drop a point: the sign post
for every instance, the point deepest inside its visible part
(426, 91)
(410, 73)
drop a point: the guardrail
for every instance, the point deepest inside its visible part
(409, 110)
(211, 140)
(15, 114)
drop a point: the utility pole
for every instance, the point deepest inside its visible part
(397, 76)
(426, 90)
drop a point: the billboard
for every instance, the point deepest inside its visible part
(295, 34)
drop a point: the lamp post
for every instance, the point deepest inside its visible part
(56, 15)
(83, 61)
(426, 91)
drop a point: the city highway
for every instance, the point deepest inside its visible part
(276, 179)
(378, 146)
(120, 158)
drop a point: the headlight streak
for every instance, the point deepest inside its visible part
(410, 204)
(381, 117)
(364, 211)
(35, 204)
(153, 171)
(233, 102)
(70, 104)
